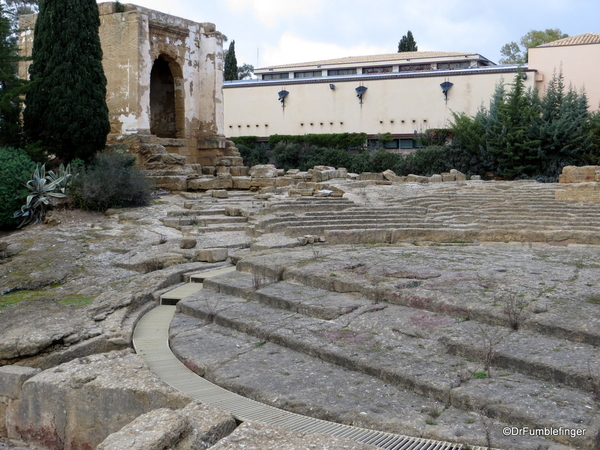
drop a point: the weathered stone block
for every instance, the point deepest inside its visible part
(187, 243)
(156, 430)
(390, 175)
(263, 182)
(212, 254)
(305, 192)
(284, 181)
(197, 426)
(223, 181)
(435, 179)
(370, 176)
(241, 182)
(263, 171)
(200, 184)
(13, 377)
(233, 211)
(239, 171)
(220, 193)
(170, 182)
(446, 177)
(575, 174)
(78, 404)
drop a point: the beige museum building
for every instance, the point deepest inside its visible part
(398, 93)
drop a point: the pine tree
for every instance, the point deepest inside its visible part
(231, 68)
(66, 108)
(407, 43)
(563, 130)
(511, 140)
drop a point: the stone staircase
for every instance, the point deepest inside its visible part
(204, 213)
(508, 212)
(353, 335)
(171, 163)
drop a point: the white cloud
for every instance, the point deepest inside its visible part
(293, 49)
(270, 11)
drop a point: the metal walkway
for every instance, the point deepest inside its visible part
(151, 342)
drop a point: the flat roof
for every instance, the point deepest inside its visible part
(402, 57)
(380, 76)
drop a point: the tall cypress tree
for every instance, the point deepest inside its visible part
(11, 87)
(66, 103)
(407, 43)
(231, 68)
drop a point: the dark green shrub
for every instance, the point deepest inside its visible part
(111, 181)
(253, 155)
(15, 168)
(287, 155)
(435, 160)
(383, 160)
(336, 140)
(248, 141)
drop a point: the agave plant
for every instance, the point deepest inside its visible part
(63, 177)
(41, 187)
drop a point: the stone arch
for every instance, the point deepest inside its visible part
(167, 109)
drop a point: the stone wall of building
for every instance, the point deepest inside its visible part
(164, 80)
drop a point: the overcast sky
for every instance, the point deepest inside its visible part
(273, 32)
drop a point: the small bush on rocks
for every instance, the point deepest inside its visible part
(111, 181)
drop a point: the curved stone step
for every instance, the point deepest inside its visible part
(401, 363)
(296, 382)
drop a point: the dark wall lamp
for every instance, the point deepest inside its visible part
(359, 93)
(446, 85)
(282, 95)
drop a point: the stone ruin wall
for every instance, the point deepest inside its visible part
(580, 184)
(132, 42)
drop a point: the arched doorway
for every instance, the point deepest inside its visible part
(166, 101)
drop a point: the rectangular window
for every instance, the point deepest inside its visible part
(275, 76)
(334, 72)
(454, 65)
(310, 74)
(372, 70)
(393, 144)
(407, 143)
(414, 67)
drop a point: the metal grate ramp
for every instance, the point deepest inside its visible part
(151, 342)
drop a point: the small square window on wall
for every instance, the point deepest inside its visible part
(309, 74)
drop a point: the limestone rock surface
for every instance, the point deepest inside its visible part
(195, 427)
(78, 404)
(38, 324)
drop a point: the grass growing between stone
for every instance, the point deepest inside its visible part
(13, 298)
